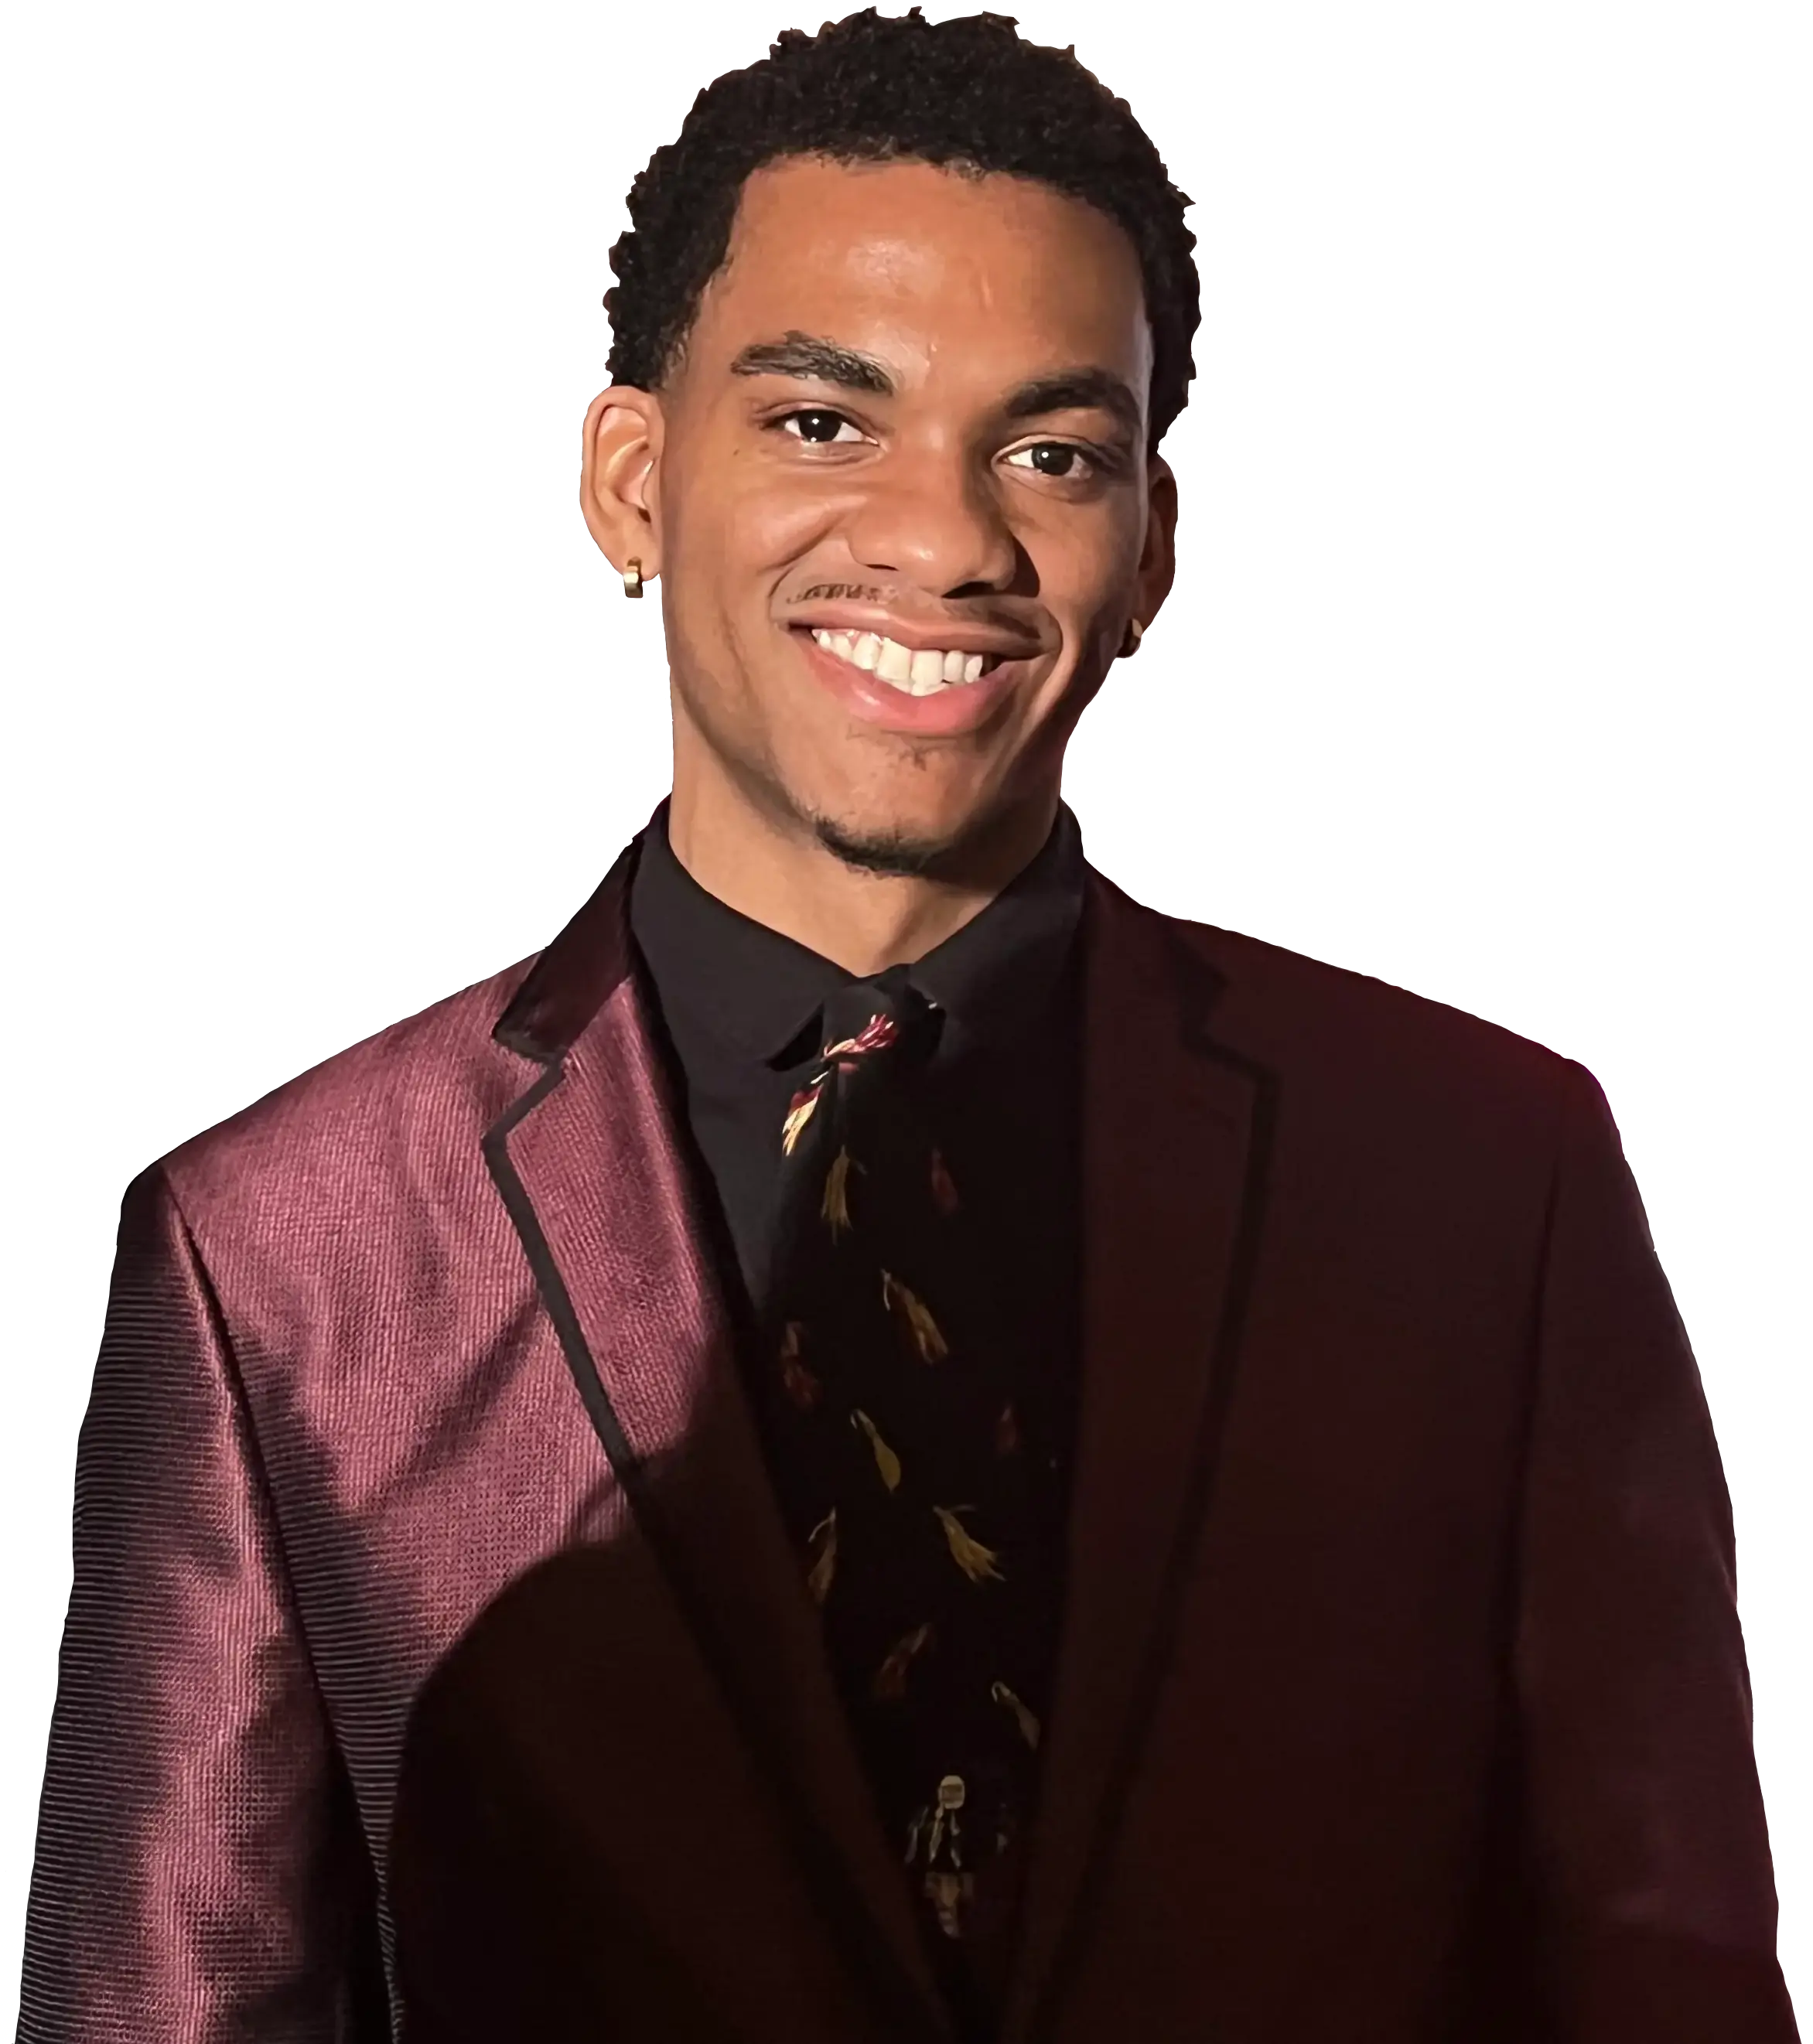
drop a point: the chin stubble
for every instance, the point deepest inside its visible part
(892, 852)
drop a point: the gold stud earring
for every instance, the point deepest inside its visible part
(632, 578)
(1130, 638)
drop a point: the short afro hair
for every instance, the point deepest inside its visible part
(969, 94)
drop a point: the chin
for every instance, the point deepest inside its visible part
(932, 840)
(895, 848)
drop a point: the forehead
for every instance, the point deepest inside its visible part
(926, 269)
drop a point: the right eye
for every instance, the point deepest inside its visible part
(819, 428)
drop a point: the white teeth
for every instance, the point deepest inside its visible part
(921, 673)
(893, 663)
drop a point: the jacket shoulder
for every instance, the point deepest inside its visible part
(1307, 1018)
(404, 1098)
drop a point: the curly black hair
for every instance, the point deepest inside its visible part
(970, 93)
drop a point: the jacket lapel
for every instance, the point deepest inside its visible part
(589, 1168)
(1175, 1139)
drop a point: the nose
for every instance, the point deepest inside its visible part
(927, 517)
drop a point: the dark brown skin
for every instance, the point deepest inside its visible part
(915, 486)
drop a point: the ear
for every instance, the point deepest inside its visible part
(619, 476)
(1159, 561)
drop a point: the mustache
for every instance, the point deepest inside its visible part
(841, 592)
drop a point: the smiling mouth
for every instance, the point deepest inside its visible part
(925, 671)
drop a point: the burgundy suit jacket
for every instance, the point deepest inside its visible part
(436, 1659)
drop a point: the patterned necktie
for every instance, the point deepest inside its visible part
(897, 1441)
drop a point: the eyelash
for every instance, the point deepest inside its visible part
(1096, 463)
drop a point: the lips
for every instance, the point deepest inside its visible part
(924, 706)
(914, 670)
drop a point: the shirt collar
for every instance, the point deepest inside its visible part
(759, 993)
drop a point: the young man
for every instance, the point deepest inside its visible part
(882, 1443)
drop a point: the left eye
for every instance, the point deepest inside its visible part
(1054, 458)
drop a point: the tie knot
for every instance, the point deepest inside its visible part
(877, 1019)
(870, 1030)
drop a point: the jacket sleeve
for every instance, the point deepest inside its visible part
(1645, 1819)
(199, 1876)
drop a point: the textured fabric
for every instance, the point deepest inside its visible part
(424, 1546)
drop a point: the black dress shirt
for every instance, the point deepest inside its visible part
(740, 1006)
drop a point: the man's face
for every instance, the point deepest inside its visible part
(903, 499)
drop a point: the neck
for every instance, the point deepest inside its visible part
(778, 873)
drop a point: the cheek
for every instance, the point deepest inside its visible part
(743, 524)
(1084, 557)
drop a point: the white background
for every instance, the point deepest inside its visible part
(1486, 673)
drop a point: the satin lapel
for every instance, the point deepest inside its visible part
(1175, 1135)
(589, 1167)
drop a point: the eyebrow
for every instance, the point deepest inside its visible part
(807, 355)
(1076, 390)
